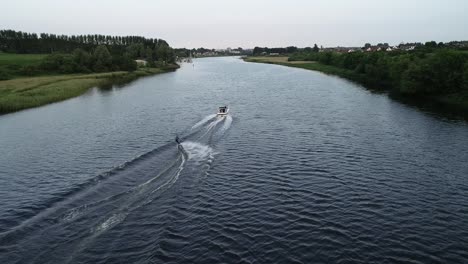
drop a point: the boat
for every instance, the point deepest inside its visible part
(189, 60)
(223, 111)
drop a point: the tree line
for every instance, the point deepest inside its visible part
(428, 70)
(22, 42)
(257, 51)
(102, 60)
(83, 53)
(81, 61)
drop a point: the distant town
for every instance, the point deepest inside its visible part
(264, 51)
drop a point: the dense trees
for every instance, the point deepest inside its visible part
(21, 42)
(260, 51)
(83, 53)
(429, 70)
(102, 59)
(257, 51)
(83, 62)
(132, 46)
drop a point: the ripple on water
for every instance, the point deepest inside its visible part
(309, 169)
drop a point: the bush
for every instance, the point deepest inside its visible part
(465, 78)
(52, 62)
(4, 75)
(13, 67)
(29, 70)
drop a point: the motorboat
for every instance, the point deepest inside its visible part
(223, 111)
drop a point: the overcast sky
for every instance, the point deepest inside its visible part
(246, 23)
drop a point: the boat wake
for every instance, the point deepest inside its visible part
(110, 198)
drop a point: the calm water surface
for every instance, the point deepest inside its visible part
(308, 168)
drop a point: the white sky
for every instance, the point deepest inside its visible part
(246, 23)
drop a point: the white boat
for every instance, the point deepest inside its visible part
(223, 111)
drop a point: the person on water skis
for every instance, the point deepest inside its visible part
(179, 145)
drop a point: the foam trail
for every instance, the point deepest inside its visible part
(200, 154)
(194, 152)
(210, 127)
(172, 180)
(203, 121)
(78, 211)
(98, 207)
(132, 203)
(227, 124)
(197, 151)
(135, 202)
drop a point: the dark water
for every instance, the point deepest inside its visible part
(307, 169)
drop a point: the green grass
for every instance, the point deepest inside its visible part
(12, 65)
(20, 59)
(22, 93)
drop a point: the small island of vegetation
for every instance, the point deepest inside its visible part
(46, 68)
(432, 72)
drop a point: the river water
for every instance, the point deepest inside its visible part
(307, 168)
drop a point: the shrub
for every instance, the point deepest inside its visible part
(4, 75)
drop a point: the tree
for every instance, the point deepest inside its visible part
(316, 48)
(290, 49)
(170, 55)
(102, 59)
(413, 80)
(258, 51)
(52, 62)
(82, 59)
(161, 53)
(325, 58)
(431, 44)
(149, 54)
(134, 50)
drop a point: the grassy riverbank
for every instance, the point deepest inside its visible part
(22, 93)
(313, 66)
(455, 101)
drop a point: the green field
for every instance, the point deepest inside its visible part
(12, 65)
(20, 59)
(23, 93)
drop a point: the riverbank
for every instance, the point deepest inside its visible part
(452, 102)
(315, 66)
(23, 93)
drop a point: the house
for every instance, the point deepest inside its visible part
(409, 46)
(141, 62)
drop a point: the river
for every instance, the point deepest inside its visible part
(307, 168)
